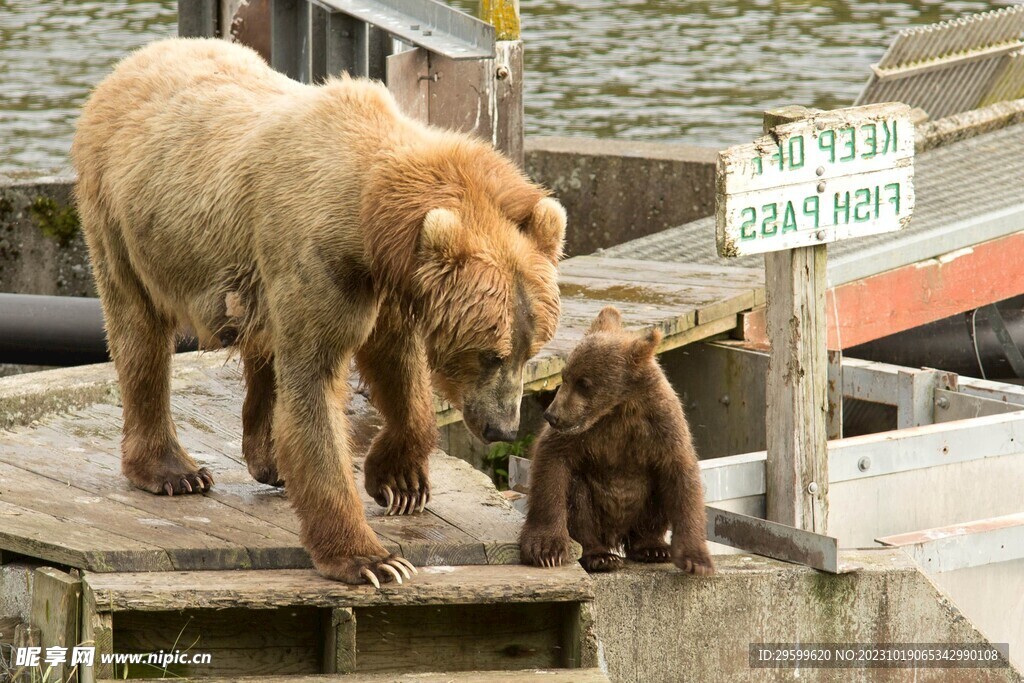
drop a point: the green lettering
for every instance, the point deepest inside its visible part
(895, 198)
(758, 166)
(851, 144)
(890, 136)
(844, 205)
(878, 199)
(796, 152)
(778, 157)
(745, 232)
(827, 141)
(811, 208)
(789, 219)
(863, 197)
(870, 139)
(768, 226)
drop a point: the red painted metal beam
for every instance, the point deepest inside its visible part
(919, 293)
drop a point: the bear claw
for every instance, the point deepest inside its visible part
(404, 503)
(657, 554)
(189, 483)
(601, 562)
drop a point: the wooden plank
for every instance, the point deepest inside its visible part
(339, 640)
(460, 638)
(56, 603)
(508, 130)
(592, 675)
(239, 641)
(186, 548)
(797, 389)
(58, 540)
(270, 589)
(636, 270)
(98, 632)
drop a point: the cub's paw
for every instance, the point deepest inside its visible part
(601, 562)
(544, 549)
(372, 570)
(265, 473)
(401, 486)
(696, 563)
(654, 554)
(165, 471)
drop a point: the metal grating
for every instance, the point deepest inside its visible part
(968, 192)
(954, 66)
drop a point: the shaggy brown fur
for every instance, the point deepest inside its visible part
(616, 468)
(308, 226)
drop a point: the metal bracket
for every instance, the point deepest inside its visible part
(424, 23)
(774, 540)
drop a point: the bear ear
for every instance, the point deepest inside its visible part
(608, 320)
(546, 227)
(441, 233)
(643, 347)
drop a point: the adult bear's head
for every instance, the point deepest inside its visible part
(477, 268)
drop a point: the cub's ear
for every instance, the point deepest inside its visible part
(546, 227)
(608, 320)
(643, 347)
(442, 233)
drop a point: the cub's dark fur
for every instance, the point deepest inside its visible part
(616, 468)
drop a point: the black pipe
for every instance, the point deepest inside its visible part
(54, 330)
(954, 344)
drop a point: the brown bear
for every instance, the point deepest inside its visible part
(309, 226)
(615, 467)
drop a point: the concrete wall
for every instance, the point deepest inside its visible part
(41, 246)
(657, 624)
(616, 191)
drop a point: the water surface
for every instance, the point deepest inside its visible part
(682, 70)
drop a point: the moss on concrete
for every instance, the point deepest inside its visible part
(55, 221)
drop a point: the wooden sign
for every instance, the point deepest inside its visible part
(834, 175)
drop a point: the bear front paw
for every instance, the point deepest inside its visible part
(697, 562)
(601, 562)
(551, 549)
(373, 570)
(400, 486)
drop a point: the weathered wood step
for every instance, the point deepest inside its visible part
(272, 589)
(538, 675)
(292, 622)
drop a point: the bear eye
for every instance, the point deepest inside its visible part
(584, 385)
(489, 360)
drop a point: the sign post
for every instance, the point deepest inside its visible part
(814, 178)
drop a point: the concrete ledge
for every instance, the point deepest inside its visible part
(657, 624)
(42, 250)
(616, 191)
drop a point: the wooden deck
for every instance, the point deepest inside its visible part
(63, 499)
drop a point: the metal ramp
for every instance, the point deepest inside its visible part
(954, 66)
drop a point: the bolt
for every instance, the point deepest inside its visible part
(821, 187)
(820, 235)
(943, 402)
(820, 171)
(864, 464)
(502, 73)
(725, 400)
(812, 488)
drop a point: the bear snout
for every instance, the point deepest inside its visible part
(494, 433)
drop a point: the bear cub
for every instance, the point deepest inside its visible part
(615, 466)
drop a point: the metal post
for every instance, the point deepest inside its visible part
(197, 18)
(289, 38)
(797, 462)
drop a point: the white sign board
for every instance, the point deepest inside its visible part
(839, 174)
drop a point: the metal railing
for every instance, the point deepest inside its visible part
(443, 66)
(954, 66)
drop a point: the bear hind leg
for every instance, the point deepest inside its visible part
(258, 419)
(586, 528)
(646, 542)
(141, 341)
